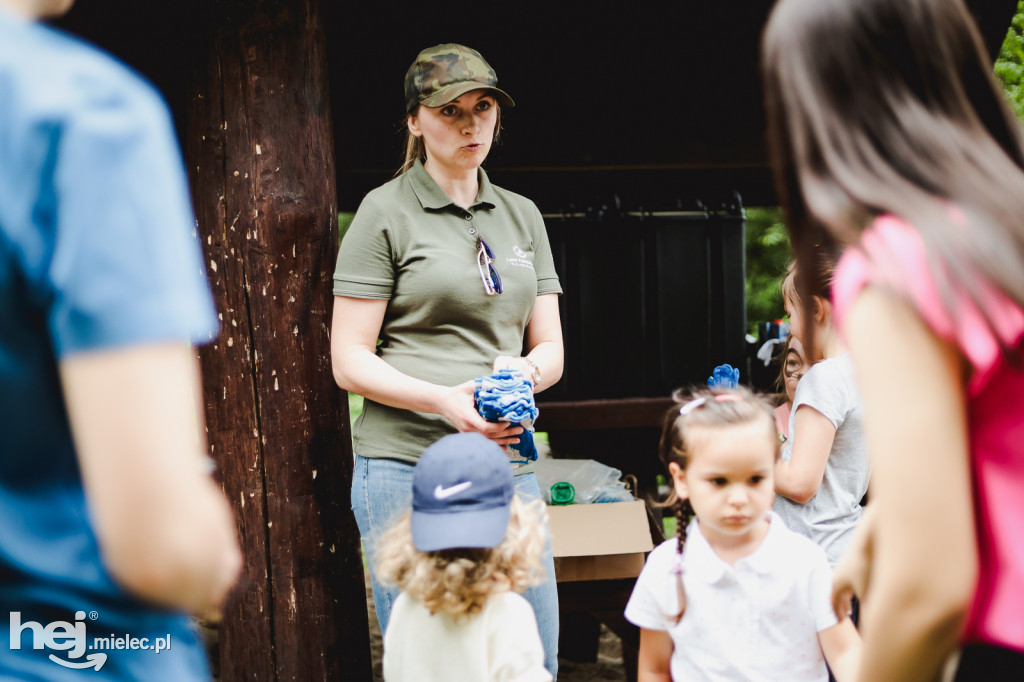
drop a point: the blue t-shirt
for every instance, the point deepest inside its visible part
(97, 250)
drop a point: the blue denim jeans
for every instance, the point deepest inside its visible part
(382, 490)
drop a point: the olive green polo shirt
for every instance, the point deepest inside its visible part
(411, 245)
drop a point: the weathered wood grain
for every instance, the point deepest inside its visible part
(261, 161)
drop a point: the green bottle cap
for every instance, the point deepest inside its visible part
(562, 493)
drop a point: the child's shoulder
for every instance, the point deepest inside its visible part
(836, 367)
(824, 378)
(507, 609)
(662, 557)
(509, 599)
(665, 550)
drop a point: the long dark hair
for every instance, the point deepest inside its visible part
(880, 107)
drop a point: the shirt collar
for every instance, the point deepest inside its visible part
(432, 196)
(700, 561)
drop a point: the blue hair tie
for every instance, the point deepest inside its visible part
(724, 376)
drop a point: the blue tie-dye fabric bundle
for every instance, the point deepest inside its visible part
(507, 396)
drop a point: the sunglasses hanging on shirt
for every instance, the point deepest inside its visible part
(489, 276)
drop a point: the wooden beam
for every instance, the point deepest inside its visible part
(259, 147)
(585, 415)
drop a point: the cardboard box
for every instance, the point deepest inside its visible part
(599, 541)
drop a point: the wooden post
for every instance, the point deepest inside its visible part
(260, 153)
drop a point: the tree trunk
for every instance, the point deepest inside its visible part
(261, 162)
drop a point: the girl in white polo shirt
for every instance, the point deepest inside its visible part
(737, 595)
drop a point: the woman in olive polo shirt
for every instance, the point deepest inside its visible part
(454, 276)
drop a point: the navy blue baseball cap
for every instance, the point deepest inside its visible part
(461, 491)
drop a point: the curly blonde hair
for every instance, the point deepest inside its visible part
(459, 581)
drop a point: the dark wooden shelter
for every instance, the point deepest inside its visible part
(289, 111)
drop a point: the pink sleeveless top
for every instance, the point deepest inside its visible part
(892, 255)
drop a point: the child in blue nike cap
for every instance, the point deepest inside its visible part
(461, 557)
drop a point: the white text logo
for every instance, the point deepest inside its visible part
(60, 636)
(71, 638)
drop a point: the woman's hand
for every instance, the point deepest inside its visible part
(456, 405)
(852, 574)
(518, 364)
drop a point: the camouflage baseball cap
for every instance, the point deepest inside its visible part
(446, 72)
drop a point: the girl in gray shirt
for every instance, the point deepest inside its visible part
(823, 473)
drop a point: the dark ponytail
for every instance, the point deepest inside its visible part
(684, 512)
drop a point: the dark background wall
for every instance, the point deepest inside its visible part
(643, 100)
(651, 100)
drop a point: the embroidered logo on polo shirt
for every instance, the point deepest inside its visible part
(520, 260)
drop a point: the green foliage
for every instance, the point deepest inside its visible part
(355, 406)
(768, 254)
(344, 220)
(668, 525)
(1009, 65)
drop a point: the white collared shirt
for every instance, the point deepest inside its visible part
(757, 620)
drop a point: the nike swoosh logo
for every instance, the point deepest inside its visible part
(444, 493)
